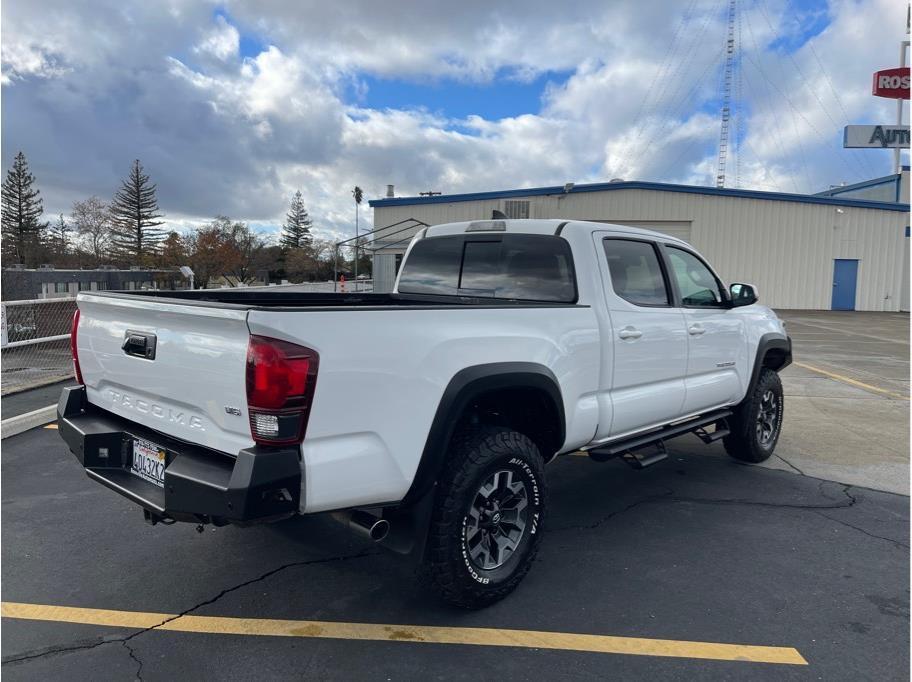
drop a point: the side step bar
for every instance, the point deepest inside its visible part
(657, 437)
(639, 460)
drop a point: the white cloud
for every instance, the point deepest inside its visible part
(222, 41)
(90, 86)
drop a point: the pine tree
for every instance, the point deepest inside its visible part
(58, 236)
(135, 212)
(296, 231)
(22, 209)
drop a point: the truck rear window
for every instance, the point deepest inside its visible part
(525, 267)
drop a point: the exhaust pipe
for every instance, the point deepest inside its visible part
(364, 524)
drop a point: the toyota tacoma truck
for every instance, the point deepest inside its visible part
(425, 417)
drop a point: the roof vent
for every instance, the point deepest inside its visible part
(390, 191)
(15, 266)
(46, 266)
(136, 267)
(616, 180)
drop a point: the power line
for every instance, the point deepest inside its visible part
(679, 82)
(676, 105)
(766, 101)
(640, 119)
(845, 114)
(809, 87)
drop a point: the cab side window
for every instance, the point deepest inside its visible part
(696, 282)
(636, 275)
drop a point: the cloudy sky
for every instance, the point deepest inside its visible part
(232, 106)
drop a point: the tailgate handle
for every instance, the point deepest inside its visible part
(139, 344)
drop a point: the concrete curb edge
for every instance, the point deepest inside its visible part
(30, 420)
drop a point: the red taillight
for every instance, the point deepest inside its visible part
(74, 331)
(281, 378)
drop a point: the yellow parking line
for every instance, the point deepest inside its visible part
(527, 639)
(51, 426)
(853, 382)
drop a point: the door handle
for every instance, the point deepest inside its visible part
(696, 330)
(630, 333)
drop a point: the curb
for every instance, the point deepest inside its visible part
(30, 420)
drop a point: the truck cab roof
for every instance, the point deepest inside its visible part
(537, 226)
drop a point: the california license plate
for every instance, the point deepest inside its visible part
(149, 462)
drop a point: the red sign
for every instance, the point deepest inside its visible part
(892, 83)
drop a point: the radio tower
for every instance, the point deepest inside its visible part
(726, 93)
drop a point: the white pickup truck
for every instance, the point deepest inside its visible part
(424, 417)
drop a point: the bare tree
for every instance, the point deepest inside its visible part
(225, 248)
(248, 246)
(92, 222)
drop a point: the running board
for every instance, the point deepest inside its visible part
(606, 452)
(639, 460)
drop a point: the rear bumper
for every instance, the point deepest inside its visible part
(201, 485)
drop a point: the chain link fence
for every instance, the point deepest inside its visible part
(35, 343)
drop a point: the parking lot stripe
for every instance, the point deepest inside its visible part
(852, 382)
(51, 426)
(424, 634)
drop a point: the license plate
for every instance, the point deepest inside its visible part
(149, 462)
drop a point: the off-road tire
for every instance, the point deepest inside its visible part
(476, 455)
(745, 443)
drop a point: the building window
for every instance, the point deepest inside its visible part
(516, 209)
(60, 288)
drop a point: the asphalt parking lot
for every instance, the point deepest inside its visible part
(696, 567)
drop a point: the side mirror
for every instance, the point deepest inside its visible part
(742, 294)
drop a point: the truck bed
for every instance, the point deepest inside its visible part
(270, 297)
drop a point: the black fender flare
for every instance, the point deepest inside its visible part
(465, 386)
(410, 519)
(768, 342)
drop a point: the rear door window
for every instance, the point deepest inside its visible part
(516, 267)
(636, 274)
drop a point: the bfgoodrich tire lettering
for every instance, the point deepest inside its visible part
(757, 422)
(488, 516)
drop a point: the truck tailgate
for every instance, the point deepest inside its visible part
(193, 389)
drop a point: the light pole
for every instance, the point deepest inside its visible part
(358, 194)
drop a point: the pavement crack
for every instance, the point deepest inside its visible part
(132, 652)
(789, 464)
(124, 641)
(896, 543)
(757, 503)
(259, 578)
(669, 496)
(49, 651)
(591, 526)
